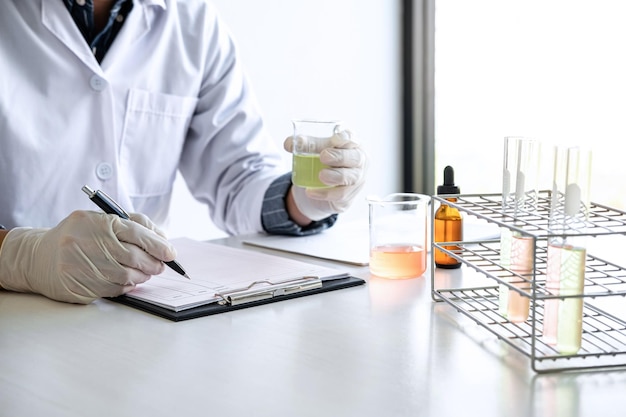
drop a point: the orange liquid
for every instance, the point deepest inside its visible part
(448, 230)
(398, 261)
(519, 305)
(522, 263)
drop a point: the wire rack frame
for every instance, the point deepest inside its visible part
(535, 217)
(604, 334)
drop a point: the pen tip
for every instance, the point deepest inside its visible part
(187, 276)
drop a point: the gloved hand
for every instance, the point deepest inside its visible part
(86, 256)
(348, 166)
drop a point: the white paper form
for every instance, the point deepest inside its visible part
(216, 268)
(344, 242)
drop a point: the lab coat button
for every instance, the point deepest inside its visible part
(97, 83)
(104, 170)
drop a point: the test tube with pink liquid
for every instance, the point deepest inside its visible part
(520, 192)
(565, 273)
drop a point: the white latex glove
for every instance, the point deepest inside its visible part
(348, 166)
(86, 256)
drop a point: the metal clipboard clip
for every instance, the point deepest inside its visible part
(270, 290)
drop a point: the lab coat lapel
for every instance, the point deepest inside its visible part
(138, 25)
(57, 20)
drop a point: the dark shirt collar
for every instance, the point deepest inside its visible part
(82, 14)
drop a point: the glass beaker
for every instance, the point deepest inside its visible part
(398, 232)
(310, 137)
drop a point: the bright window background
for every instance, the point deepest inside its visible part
(555, 70)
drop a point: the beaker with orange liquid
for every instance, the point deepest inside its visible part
(398, 232)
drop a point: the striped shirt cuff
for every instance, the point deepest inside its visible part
(274, 214)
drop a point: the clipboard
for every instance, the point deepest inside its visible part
(250, 296)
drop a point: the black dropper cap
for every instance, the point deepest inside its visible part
(448, 186)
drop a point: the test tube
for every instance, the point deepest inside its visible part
(569, 211)
(509, 169)
(519, 199)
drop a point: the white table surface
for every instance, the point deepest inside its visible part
(382, 349)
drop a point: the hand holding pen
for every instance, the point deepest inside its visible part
(86, 256)
(108, 205)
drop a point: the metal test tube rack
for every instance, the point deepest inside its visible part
(604, 333)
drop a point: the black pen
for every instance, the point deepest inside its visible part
(108, 205)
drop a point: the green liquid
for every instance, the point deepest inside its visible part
(570, 314)
(306, 170)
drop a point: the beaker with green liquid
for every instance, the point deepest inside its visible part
(310, 137)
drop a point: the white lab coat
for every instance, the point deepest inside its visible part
(170, 94)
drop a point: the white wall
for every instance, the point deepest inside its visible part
(318, 58)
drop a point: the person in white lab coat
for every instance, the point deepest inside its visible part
(120, 95)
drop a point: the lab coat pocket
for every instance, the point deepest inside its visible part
(155, 127)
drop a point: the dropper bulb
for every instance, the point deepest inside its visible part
(448, 175)
(448, 186)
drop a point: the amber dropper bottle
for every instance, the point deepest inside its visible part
(448, 222)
